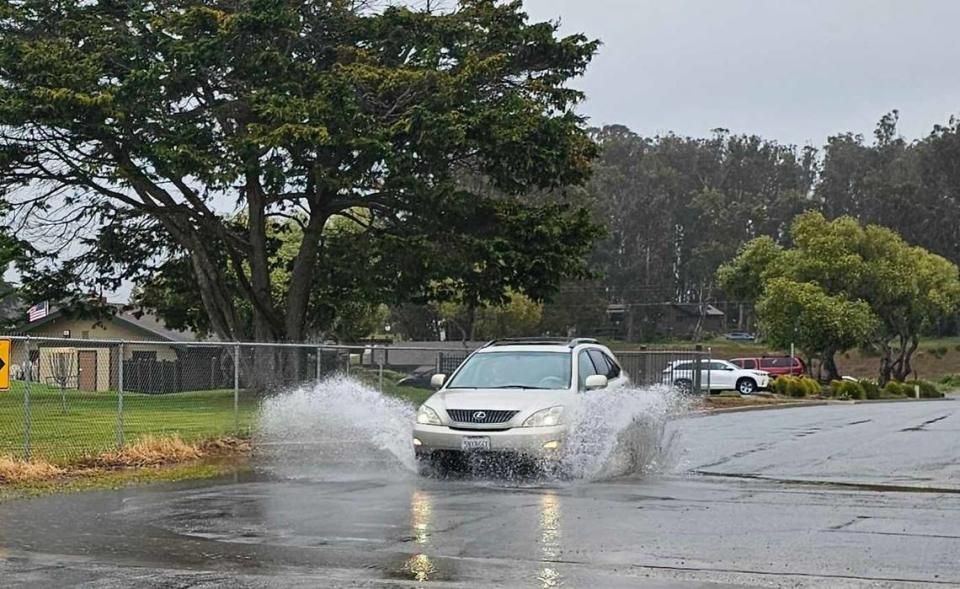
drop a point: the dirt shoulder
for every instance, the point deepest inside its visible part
(150, 460)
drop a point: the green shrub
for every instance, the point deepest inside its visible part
(847, 389)
(797, 387)
(928, 390)
(896, 390)
(781, 385)
(870, 388)
(950, 381)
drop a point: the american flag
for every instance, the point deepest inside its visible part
(38, 311)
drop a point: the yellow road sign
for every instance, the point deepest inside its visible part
(4, 364)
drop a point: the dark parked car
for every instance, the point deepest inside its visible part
(774, 365)
(419, 378)
(740, 336)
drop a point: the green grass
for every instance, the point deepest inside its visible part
(371, 377)
(86, 423)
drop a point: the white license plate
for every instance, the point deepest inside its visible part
(475, 443)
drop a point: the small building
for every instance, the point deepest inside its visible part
(679, 320)
(77, 361)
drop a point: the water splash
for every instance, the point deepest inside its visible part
(338, 422)
(341, 422)
(620, 432)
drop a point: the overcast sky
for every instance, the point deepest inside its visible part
(793, 70)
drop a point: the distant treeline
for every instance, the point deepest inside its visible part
(677, 207)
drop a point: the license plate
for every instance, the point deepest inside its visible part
(475, 443)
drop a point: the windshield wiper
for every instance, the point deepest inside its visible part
(520, 386)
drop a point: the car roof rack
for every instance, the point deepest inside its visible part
(528, 341)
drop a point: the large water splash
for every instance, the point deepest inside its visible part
(343, 423)
(619, 432)
(338, 422)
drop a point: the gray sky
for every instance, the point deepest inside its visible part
(793, 70)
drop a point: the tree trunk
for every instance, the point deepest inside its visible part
(903, 367)
(886, 364)
(301, 278)
(830, 364)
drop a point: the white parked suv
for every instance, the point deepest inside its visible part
(715, 375)
(512, 396)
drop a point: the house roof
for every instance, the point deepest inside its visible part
(694, 309)
(150, 325)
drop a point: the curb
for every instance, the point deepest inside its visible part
(772, 407)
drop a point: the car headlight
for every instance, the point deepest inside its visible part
(427, 416)
(545, 418)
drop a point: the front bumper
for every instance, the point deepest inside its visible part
(521, 440)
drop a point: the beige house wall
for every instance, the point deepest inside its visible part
(84, 329)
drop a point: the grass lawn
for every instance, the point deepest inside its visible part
(86, 424)
(371, 377)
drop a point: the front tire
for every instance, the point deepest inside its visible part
(746, 386)
(684, 385)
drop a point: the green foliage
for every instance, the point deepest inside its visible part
(147, 117)
(928, 390)
(894, 389)
(908, 389)
(843, 285)
(803, 314)
(950, 382)
(845, 389)
(797, 387)
(871, 388)
(939, 352)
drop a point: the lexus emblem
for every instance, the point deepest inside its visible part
(479, 415)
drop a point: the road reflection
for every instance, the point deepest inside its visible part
(550, 537)
(419, 566)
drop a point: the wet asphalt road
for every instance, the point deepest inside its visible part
(838, 496)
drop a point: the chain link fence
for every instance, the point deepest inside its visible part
(73, 399)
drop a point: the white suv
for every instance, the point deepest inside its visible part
(715, 375)
(513, 396)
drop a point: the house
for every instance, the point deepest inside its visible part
(76, 360)
(680, 320)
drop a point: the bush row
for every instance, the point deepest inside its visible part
(794, 386)
(867, 389)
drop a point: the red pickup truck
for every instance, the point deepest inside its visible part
(774, 365)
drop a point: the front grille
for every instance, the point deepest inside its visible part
(480, 415)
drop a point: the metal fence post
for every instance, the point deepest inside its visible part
(709, 368)
(26, 404)
(698, 370)
(380, 361)
(319, 362)
(236, 388)
(120, 398)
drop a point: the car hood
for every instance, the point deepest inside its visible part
(521, 400)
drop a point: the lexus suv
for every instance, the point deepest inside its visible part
(512, 396)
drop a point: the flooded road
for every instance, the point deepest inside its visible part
(838, 496)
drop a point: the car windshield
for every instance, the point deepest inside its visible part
(514, 370)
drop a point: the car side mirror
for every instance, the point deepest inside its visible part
(595, 381)
(437, 380)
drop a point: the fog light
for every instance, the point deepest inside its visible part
(417, 442)
(552, 445)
